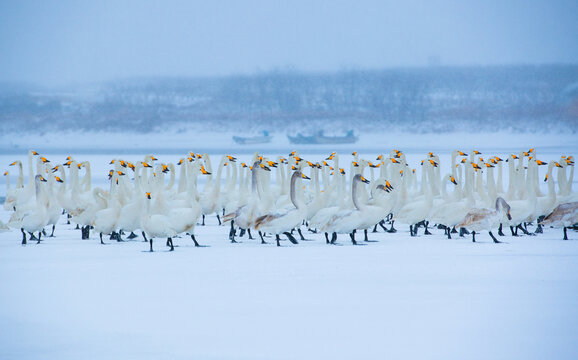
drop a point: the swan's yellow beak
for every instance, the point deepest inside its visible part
(44, 160)
(453, 180)
(364, 180)
(540, 162)
(231, 158)
(461, 153)
(388, 185)
(34, 152)
(59, 179)
(148, 195)
(204, 171)
(144, 164)
(342, 171)
(558, 165)
(477, 152)
(6, 173)
(14, 163)
(42, 178)
(546, 178)
(305, 177)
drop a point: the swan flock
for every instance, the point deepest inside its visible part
(270, 199)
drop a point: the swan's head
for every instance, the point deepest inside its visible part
(502, 205)
(165, 168)
(388, 185)
(303, 176)
(148, 195)
(204, 171)
(359, 177)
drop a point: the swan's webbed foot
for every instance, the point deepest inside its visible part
(494, 238)
(500, 232)
(132, 235)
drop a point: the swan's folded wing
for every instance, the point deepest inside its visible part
(473, 217)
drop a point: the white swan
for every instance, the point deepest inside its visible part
(36, 218)
(283, 222)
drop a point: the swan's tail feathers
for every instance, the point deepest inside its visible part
(229, 216)
(265, 219)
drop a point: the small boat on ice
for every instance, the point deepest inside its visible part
(320, 138)
(265, 138)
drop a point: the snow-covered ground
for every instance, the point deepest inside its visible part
(400, 297)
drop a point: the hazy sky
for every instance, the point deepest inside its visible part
(61, 42)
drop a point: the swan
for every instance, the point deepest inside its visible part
(361, 217)
(12, 193)
(245, 215)
(209, 197)
(486, 219)
(105, 220)
(156, 225)
(413, 212)
(37, 218)
(283, 222)
(183, 219)
(564, 215)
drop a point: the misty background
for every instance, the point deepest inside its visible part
(433, 66)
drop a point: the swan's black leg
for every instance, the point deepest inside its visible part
(151, 243)
(144, 237)
(326, 238)
(23, 237)
(242, 232)
(195, 240)
(473, 236)
(219, 218)
(68, 219)
(102, 242)
(333, 238)
(167, 242)
(512, 231)
(374, 228)
(500, 232)
(411, 230)
(426, 232)
(263, 240)
(170, 240)
(291, 237)
(203, 223)
(300, 234)
(565, 234)
(449, 232)
(494, 238)
(52, 233)
(352, 236)
(232, 232)
(392, 229)
(250, 236)
(277, 238)
(539, 229)
(365, 235)
(39, 236)
(523, 229)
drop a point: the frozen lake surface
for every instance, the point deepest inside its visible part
(399, 297)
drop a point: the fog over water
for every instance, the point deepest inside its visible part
(71, 42)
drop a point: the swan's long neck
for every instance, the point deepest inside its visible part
(182, 176)
(355, 192)
(294, 199)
